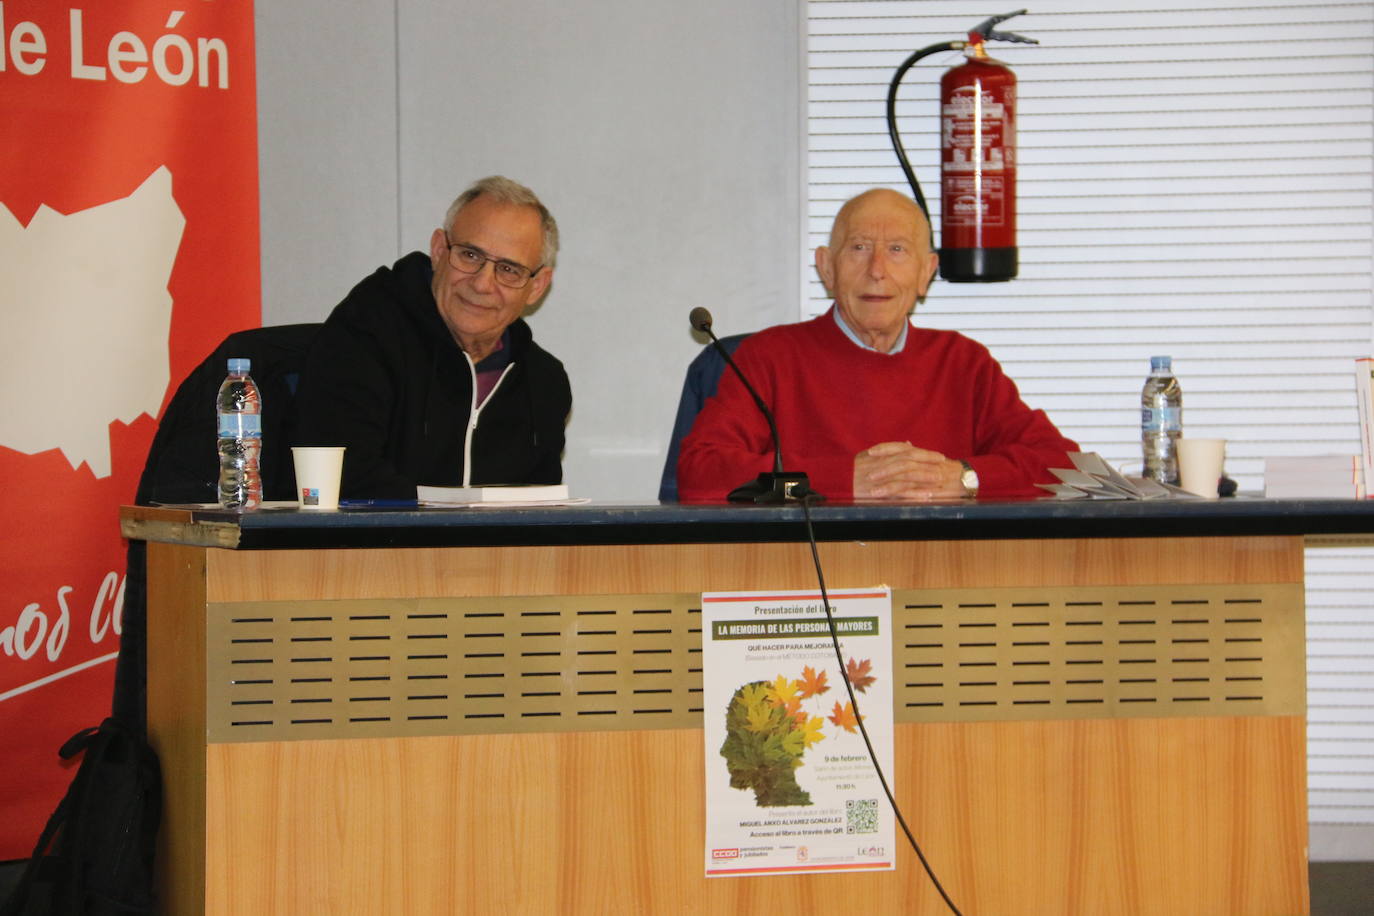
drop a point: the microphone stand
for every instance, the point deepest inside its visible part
(771, 487)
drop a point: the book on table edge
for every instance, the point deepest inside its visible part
(1317, 476)
(1364, 400)
(1348, 468)
(519, 493)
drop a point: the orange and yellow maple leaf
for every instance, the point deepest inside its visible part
(811, 730)
(843, 716)
(812, 684)
(782, 691)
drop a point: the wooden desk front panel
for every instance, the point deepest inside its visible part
(284, 575)
(1080, 816)
(1155, 817)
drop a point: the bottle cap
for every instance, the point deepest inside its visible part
(239, 364)
(1161, 362)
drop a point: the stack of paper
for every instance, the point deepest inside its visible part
(1092, 478)
(1336, 476)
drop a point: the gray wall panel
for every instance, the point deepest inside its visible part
(664, 136)
(326, 150)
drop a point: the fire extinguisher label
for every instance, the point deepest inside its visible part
(979, 149)
(968, 206)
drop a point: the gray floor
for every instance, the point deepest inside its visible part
(1338, 888)
(1341, 888)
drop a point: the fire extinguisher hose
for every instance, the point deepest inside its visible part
(892, 114)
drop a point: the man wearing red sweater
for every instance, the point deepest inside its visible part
(870, 406)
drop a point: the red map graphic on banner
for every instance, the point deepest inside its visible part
(128, 250)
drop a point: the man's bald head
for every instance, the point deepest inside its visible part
(885, 195)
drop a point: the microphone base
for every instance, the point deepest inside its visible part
(775, 488)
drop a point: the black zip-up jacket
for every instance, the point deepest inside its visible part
(386, 379)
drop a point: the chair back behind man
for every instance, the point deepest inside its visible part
(183, 465)
(703, 376)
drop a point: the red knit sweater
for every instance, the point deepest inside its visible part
(833, 399)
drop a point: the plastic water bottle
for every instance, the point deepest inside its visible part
(1161, 421)
(238, 414)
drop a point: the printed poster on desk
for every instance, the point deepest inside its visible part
(129, 250)
(790, 788)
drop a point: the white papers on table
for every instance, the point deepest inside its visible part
(1093, 478)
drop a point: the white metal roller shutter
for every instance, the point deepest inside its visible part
(1193, 181)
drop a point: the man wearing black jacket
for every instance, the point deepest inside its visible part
(426, 371)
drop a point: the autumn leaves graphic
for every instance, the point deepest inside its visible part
(769, 726)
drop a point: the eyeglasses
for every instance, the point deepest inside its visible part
(469, 260)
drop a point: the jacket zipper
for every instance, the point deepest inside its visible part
(473, 415)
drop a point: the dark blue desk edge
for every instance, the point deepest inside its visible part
(616, 523)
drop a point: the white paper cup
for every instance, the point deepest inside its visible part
(318, 469)
(1200, 464)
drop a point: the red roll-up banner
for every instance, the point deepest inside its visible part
(128, 250)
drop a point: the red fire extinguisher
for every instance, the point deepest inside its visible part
(977, 158)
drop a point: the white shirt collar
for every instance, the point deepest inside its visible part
(897, 347)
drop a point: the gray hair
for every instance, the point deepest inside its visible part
(503, 189)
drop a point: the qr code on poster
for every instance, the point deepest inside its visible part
(861, 815)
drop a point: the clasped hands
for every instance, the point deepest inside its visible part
(900, 470)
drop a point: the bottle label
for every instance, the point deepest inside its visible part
(240, 426)
(1163, 419)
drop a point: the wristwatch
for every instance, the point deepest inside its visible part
(969, 479)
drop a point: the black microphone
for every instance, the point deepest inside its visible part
(777, 486)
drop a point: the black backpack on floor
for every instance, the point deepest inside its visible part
(95, 857)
